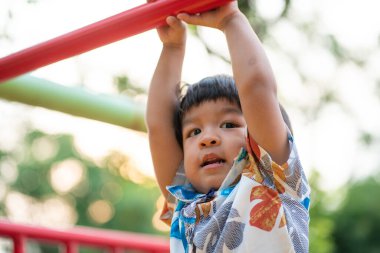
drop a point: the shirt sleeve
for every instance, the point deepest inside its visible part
(170, 201)
(288, 178)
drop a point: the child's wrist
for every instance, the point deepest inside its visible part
(174, 46)
(230, 20)
(174, 49)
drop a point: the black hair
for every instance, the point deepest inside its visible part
(210, 88)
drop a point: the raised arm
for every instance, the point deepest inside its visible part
(165, 151)
(253, 76)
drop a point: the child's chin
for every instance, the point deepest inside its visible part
(211, 184)
(207, 190)
(215, 187)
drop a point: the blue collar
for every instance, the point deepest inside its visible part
(186, 193)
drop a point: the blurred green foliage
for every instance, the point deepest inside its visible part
(124, 86)
(132, 204)
(321, 224)
(357, 220)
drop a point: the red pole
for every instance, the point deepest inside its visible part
(73, 238)
(19, 244)
(122, 25)
(71, 247)
(116, 250)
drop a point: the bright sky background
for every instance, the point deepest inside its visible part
(329, 143)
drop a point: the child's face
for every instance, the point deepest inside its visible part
(213, 134)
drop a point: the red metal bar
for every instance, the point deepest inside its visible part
(71, 247)
(72, 238)
(19, 244)
(117, 250)
(125, 24)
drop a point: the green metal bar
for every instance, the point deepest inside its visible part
(116, 110)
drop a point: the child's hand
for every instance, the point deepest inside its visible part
(173, 34)
(217, 18)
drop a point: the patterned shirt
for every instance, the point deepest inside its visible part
(261, 207)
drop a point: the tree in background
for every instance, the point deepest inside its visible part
(357, 220)
(321, 224)
(47, 181)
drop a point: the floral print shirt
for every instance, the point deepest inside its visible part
(261, 207)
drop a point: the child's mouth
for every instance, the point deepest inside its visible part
(211, 159)
(212, 162)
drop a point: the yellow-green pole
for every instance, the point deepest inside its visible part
(116, 110)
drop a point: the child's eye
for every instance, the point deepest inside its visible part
(228, 125)
(194, 132)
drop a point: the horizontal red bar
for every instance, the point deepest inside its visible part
(125, 24)
(87, 236)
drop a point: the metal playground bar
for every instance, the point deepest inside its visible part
(72, 239)
(117, 27)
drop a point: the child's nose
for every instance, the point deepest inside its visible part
(209, 141)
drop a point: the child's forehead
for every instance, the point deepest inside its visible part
(211, 107)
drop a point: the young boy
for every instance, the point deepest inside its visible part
(243, 188)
